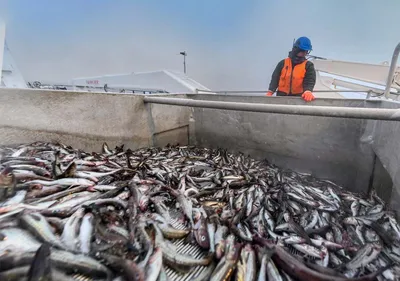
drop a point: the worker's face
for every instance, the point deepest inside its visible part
(298, 55)
(301, 54)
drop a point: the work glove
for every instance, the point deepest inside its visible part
(308, 96)
(269, 93)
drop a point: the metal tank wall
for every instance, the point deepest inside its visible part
(358, 154)
(325, 147)
(385, 141)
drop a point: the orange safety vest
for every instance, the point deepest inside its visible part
(291, 79)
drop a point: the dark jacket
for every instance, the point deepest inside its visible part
(308, 82)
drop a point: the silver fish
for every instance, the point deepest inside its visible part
(18, 198)
(38, 226)
(69, 235)
(309, 250)
(66, 181)
(313, 222)
(262, 273)
(154, 265)
(269, 220)
(86, 233)
(364, 256)
(273, 272)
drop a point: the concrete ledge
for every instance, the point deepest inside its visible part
(84, 120)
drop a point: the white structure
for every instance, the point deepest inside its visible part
(155, 81)
(11, 77)
(344, 75)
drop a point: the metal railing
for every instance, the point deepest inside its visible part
(392, 68)
(108, 88)
(369, 93)
(310, 110)
(265, 91)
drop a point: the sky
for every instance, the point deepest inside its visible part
(231, 44)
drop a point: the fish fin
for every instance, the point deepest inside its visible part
(128, 153)
(69, 172)
(40, 268)
(105, 148)
(56, 164)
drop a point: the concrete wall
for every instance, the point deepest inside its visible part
(170, 124)
(326, 147)
(86, 120)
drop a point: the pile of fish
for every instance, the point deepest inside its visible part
(183, 213)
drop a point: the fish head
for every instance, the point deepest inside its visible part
(201, 235)
(7, 177)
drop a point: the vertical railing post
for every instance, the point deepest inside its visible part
(392, 68)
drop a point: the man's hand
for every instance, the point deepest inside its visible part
(308, 96)
(269, 93)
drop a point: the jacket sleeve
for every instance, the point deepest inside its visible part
(310, 78)
(273, 85)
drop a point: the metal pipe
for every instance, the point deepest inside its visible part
(264, 92)
(311, 110)
(391, 70)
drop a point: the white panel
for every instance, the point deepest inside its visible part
(372, 73)
(171, 81)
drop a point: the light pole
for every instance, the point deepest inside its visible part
(184, 54)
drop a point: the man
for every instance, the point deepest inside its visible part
(295, 75)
